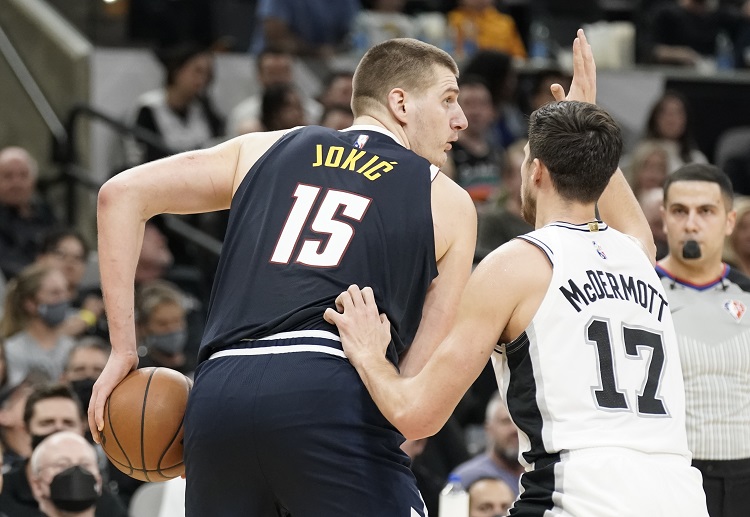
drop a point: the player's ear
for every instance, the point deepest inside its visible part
(397, 104)
(538, 169)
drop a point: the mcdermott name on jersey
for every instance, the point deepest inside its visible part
(600, 285)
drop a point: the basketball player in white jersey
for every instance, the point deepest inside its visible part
(578, 327)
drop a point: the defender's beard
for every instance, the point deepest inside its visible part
(528, 206)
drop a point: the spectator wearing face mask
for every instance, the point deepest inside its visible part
(85, 362)
(51, 409)
(36, 305)
(65, 478)
(161, 325)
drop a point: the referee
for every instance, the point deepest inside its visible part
(709, 302)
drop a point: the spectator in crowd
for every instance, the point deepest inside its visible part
(489, 497)
(67, 250)
(708, 300)
(282, 108)
(180, 113)
(65, 477)
(50, 408)
(669, 122)
(649, 166)
(685, 32)
(474, 162)
(498, 72)
(273, 67)
(479, 25)
(24, 216)
(314, 28)
(538, 88)
(161, 325)
(337, 89)
(381, 20)
(737, 248)
(337, 117)
(36, 306)
(14, 436)
(501, 457)
(500, 219)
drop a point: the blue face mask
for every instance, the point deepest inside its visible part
(171, 343)
(53, 314)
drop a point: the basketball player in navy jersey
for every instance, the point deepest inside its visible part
(278, 420)
(578, 327)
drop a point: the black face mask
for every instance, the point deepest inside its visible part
(691, 250)
(73, 490)
(36, 439)
(83, 389)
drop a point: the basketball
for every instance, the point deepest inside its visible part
(143, 417)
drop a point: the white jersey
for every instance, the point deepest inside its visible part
(598, 366)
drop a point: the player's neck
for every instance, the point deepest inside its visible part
(557, 209)
(698, 271)
(396, 129)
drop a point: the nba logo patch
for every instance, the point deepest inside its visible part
(361, 141)
(599, 250)
(735, 308)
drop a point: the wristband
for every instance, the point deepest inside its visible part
(88, 317)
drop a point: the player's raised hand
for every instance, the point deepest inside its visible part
(583, 86)
(363, 331)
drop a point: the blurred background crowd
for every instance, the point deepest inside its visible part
(164, 76)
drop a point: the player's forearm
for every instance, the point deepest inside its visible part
(392, 394)
(120, 234)
(620, 209)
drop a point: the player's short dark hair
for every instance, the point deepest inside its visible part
(703, 172)
(49, 391)
(580, 144)
(396, 63)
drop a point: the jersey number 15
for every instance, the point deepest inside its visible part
(335, 204)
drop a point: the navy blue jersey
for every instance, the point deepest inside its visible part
(319, 211)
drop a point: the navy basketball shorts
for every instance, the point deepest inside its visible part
(285, 426)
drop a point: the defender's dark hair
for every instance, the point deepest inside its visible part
(580, 144)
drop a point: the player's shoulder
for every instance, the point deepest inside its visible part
(453, 211)
(450, 195)
(518, 260)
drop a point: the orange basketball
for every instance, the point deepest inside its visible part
(142, 434)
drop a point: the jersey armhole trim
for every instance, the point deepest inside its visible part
(434, 170)
(542, 246)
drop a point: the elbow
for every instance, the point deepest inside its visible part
(118, 196)
(109, 194)
(416, 424)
